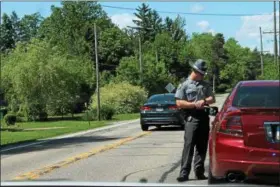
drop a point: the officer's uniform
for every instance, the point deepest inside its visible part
(196, 123)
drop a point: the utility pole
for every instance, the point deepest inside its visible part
(140, 51)
(261, 50)
(156, 55)
(140, 60)
(97, 73)
(0, 70)
(278, 65)
(275, 35)
(214, 78)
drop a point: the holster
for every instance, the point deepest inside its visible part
(185, 113)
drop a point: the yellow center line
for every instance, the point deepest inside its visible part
(47, 169)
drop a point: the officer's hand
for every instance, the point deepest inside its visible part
(200, 104)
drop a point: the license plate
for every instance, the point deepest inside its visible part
(272, 131)
(159, 109)
(278, 133)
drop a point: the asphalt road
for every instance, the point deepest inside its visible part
(119, 154)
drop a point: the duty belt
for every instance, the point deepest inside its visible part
(195, 113)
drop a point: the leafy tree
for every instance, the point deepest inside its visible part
(201, 48)
(155, 23)
(219, 58)
(113, 45)
(176, 28)
(53, 81)
(69, 26)
(270, 70)
(171, 53)
(148, 21)
(254, 65)
(143, 15)
(16, 27)
(7, 33)
(238, 65)
(29, 26)
(155, 75)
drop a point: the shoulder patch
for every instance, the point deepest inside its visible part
(179, 86)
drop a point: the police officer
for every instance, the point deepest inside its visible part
(191, 97)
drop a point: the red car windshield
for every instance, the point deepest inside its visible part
(257, 96)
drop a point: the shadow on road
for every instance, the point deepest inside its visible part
(56, 144)
(143, 180)
(167, 128)
(268, 181)
(11, 129)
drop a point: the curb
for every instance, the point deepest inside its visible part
(41, 141)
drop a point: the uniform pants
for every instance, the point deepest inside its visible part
(196, 136)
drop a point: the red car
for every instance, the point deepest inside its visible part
(244, 141)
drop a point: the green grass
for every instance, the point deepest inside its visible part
(20, 132)
(121, 117)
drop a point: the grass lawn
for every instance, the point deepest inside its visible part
(26, 131)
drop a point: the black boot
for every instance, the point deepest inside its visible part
(182, 178)
(201, 177)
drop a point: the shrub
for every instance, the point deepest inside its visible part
(4, 111)
(222, 88)
(228, 90)
(21, 119)
(43, 116)
(106, 112)
(35, 112)
(120, 97)
(10, 119)
(20, 114)
(89, 115)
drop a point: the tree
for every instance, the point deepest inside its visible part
(155, 75)
(29, 26)
(142, 15)
(176, 28)
(270, 71)
(219, 59)
(113, 45)
(210, 48)
(40, 80)
(239, 64)
(155, 23)
(7, 33)
(149, 21)
(14, 30)
(71, 26)
(171, 53)
(254, 65)
(201, 48)
(16, 27)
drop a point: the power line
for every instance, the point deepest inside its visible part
(188, 13)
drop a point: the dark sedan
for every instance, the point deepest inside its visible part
(160, 109)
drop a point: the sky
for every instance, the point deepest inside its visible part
(244, 29)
